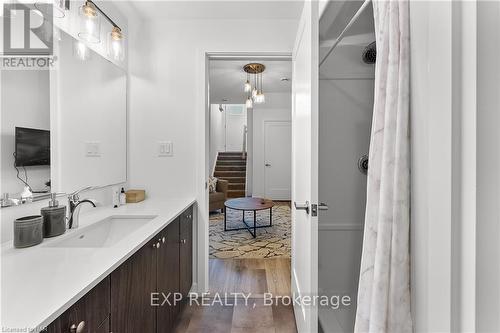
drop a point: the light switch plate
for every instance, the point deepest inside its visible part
(165, 148)
(93, 149)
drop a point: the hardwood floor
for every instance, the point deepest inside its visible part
(253, 277)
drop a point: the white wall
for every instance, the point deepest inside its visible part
(488, 178)
(217, 133)
(25, 103)
(278, 107)
(443, 138)
(236, 120)
(431, 123)
(170, 67)
(165, 71)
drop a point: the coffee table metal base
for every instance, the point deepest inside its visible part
(247, 226)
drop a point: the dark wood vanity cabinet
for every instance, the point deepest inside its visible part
(89, 315)
(122, 302)
(167, 277)
(131, 286)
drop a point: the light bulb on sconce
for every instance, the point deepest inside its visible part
(80, 50)
(90, 23)
(116, 41)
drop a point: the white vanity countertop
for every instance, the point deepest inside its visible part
(39, 283)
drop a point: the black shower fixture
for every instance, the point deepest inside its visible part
(370, 53)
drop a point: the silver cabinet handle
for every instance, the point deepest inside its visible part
(156, 245)
(163, 240)
(80, 327)
(183, 241)
(323, 206)
(302, 206)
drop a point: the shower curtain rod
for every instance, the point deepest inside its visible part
(341, 36)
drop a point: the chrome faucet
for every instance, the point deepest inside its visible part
(74, 204)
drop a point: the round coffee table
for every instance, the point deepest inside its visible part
(249, 204)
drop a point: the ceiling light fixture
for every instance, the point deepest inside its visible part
(90, 23)
(116, 41)
(248, 86)
(90, 30)
(254, 94)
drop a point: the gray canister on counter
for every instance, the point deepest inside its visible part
(28, 231)
(54, 218)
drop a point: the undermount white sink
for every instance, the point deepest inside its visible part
(104, 233)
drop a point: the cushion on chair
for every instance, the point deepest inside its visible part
(217, 196)
(212, 184)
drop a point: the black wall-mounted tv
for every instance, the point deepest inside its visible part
(32, 147)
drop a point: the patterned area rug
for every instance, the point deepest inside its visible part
(272, 242)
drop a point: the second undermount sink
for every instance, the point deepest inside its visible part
(104, 233)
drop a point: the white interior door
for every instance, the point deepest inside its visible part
(236, 120)
(277, 159)
(305, 167)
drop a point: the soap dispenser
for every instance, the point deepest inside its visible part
(54, 218)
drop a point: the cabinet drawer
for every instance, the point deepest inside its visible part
(88, 315)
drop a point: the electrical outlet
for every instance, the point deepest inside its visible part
(165, 148)
(93, 149)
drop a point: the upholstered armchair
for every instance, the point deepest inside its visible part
(217, 198)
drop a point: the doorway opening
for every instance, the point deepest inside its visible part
(249, 160)
(249, 168)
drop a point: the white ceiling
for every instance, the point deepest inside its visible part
(337, 15)
(217, 9)
(227, 79)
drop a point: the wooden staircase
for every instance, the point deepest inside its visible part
(232, 166)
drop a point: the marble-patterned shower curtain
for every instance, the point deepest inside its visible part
(384, 283)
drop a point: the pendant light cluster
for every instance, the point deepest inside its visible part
(89, 15)
(254, 93)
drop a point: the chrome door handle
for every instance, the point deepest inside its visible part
(323, 206)
(302, 206)
(268, 165)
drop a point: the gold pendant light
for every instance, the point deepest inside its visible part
(256, 96)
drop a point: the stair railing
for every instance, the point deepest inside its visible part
(244, 150)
